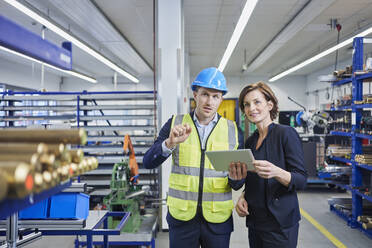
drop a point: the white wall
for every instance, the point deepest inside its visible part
(313, 83)
(293, 86)
(26, 76)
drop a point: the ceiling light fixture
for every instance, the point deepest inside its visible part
(239, 28)
(306, 14)
(73, 73)
(320, 55)
(70, 38)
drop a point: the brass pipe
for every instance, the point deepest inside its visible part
(25, 148)
(16, 157)
(83, 166)
(19, 177)
(50, 136)
(74, 170)
(93, 162)
(47, 178)
(76, 155)
(364, 218)
(38, 182)
(43, 162)
(367, 225)
(55, 178)
(3, 185)
(63, 172)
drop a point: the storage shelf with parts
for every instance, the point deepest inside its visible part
(9, 206)
(343, 160)
(339, 133)
(341, 108)
(359, 204)
(106, 116)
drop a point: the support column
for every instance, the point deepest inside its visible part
(170, 74)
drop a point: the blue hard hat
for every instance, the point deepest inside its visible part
(210, 78)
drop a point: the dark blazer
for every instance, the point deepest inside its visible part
(284, 149)
(154, 158)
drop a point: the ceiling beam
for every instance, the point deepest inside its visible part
(311, 10)
(121, 34)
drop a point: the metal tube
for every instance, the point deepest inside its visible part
(55, 136)
(16, 157)
(76, 155)
(11, 148)
(3, 185)
(19, 177)
(38, 182)
(12, 230)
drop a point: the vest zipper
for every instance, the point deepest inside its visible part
(201, 182)
(199, 209)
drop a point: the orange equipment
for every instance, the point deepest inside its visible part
(128, 150)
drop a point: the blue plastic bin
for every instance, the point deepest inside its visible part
(36, 211)
(69, 206)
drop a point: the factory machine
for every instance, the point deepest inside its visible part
(126, 195)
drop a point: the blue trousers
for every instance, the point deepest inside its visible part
(281, 238)
(197, 232)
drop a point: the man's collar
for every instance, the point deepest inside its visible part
(196, 120)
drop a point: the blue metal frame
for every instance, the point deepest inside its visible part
(96, 230)
(74, 92)
(340, 214)
(344, 160)
(367, 105)
(357, 169)
(121, 243)
(338, 133)
(341, 82)
(10, 206)
(357, 95)
(364, 166)
(363, 136)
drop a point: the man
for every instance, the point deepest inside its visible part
(199, 198)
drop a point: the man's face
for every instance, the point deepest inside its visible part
(207, 102)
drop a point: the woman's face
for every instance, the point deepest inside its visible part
(256, 107)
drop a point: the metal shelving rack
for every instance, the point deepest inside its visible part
(356, 144)
(9, 209)
(106, 116)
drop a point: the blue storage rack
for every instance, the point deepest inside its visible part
(357, 169)
(11, 206)
(68, 205)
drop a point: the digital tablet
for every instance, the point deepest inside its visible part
(221, 159)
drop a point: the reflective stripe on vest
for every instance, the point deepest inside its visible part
(193, 196)
(184, 179)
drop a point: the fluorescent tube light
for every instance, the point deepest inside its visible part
(71, 38)
(320, 55)
(73, 73)
(242, 22)
(310, 11)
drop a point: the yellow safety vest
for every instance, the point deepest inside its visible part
(184, 180)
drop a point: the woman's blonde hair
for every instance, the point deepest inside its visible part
(266, 91)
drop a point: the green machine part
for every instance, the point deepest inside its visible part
(119, 200)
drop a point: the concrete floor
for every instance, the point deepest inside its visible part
(313, 201)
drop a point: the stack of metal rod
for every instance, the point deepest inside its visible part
(363, 158)
(34, 160)
(339, 151)
(366, 221)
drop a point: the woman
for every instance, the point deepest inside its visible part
(269, 200)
